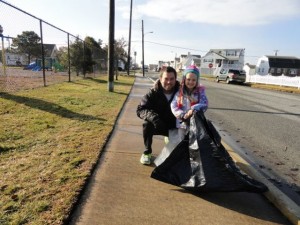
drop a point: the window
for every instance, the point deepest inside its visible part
(278, 70)
(293, 71)
(223, 71)
(231, 53)
(208, 60)
(235, 72)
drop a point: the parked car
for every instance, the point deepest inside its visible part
(230, 75)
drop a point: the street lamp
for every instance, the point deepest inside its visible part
(143, 34)
(3, 53)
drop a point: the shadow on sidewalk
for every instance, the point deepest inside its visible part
(236, 201)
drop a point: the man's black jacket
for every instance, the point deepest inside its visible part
(155, 107)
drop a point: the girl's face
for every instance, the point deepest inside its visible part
(191, 81)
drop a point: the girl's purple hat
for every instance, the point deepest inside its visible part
(191, 69)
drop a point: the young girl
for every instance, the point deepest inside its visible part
(190, 97)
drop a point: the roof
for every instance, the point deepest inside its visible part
(224, 49)
(212, 52)
(184, 56)
(48, 48)
(284, 61)
(251, 66)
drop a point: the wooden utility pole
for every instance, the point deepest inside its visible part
(143, 64)
(129, 40)
(111, 49)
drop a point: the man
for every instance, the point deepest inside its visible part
(156, 112)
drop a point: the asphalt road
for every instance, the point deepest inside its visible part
(263, 125)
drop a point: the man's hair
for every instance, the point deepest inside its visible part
(169, 69)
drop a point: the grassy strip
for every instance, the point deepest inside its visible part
(50, 138)
(276, 88)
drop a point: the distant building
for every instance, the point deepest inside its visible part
(50, 50)
(153, 67)
(15, 59)
(181, 62)
(278, 65)
(249, 69)
(162, 64)
(187, 60)
(216, 59)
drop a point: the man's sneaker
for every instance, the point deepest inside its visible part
(146, 159)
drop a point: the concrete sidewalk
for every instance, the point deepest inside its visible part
(122, 192)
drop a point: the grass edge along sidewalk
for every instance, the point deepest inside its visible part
(50, 140)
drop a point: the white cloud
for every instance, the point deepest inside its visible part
(222, 12)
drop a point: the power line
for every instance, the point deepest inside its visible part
(173, 46)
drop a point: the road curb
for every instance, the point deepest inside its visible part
(281, 201)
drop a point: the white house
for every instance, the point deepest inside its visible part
(278, 65)
(187, 60)
(216, 59)
(250, 70)
(15, 59)
(162, 64)
(181, 62)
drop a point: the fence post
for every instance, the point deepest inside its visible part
(69, 60)
(43, 53)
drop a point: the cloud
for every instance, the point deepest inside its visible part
(220, 12)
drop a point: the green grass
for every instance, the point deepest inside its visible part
(50, 139)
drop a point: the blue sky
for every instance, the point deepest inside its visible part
(178, 26)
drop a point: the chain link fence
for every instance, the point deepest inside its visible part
(35, 53)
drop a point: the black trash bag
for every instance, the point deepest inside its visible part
(201, 163)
